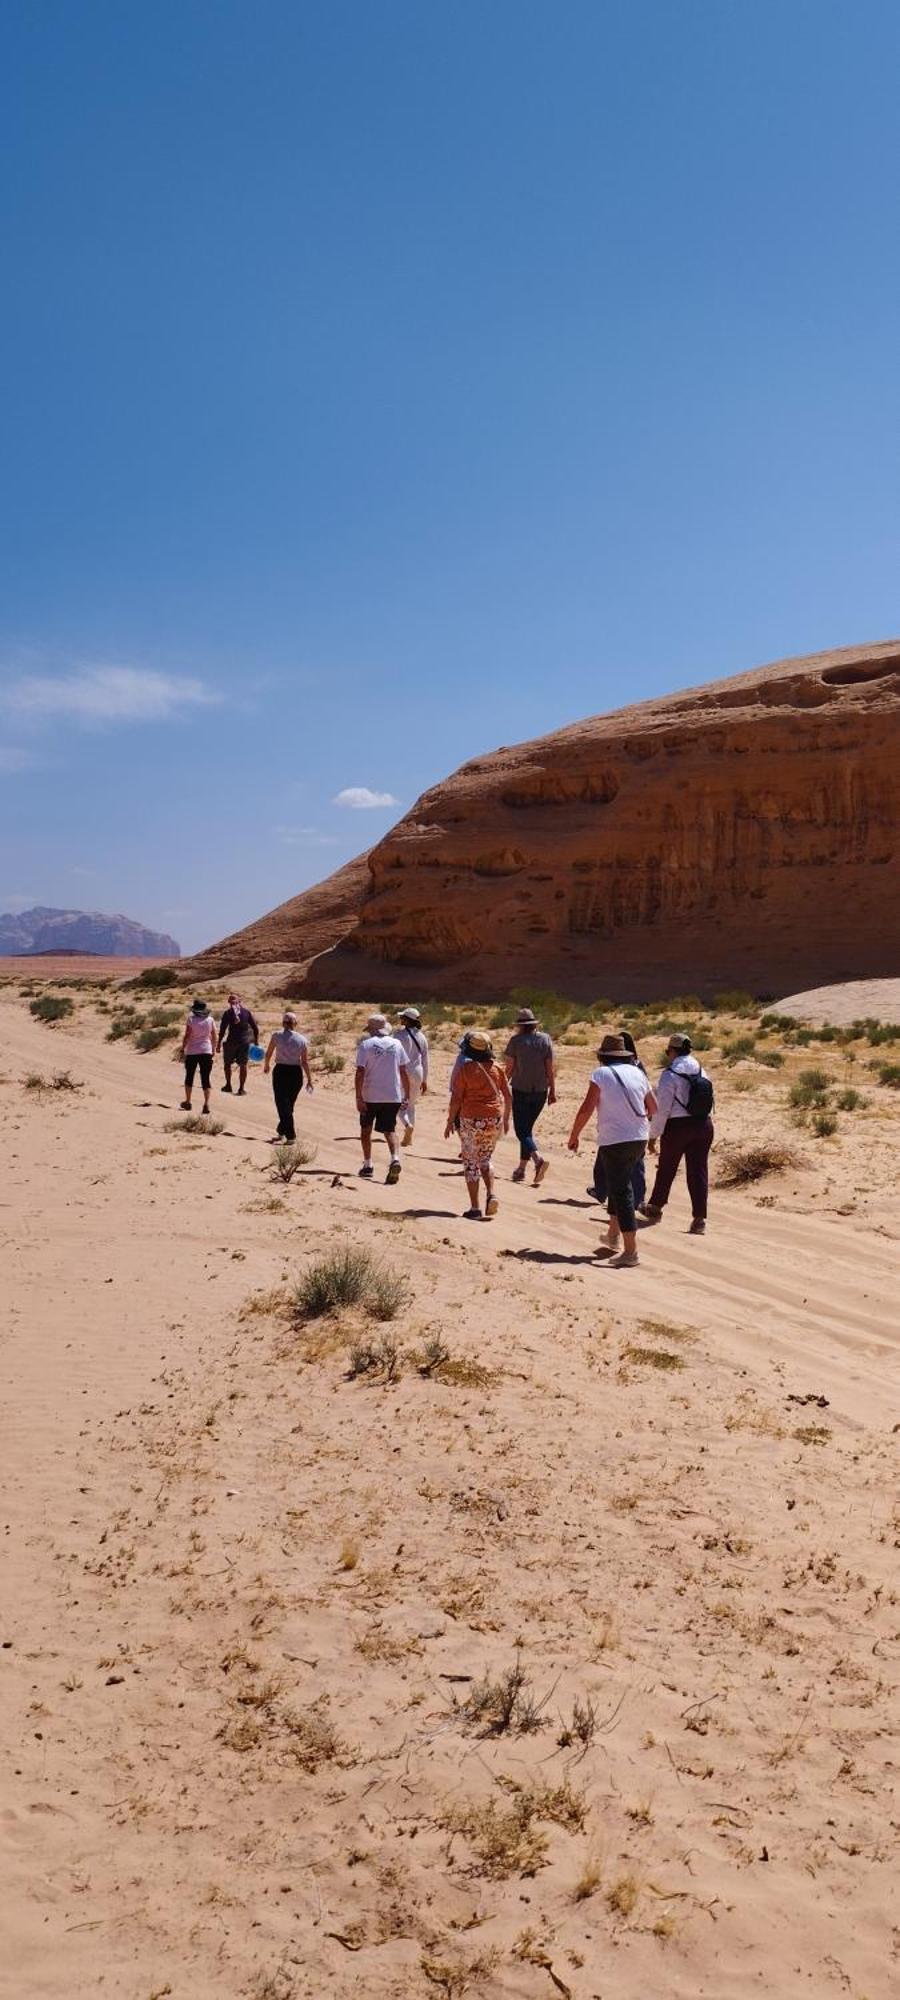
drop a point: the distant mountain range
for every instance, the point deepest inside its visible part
(29, 932)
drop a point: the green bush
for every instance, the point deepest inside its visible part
(349, 1277)
(824, 1124)
(152, 979)
(734, 1002)
(850, 1100)
(52, 1007)
(781, 1024)
(151, 1038)
(770, 1058)
(810, 1089)
(888, 1073)
(331, 1063)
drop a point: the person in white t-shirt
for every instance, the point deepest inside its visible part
(412, 1037)
(382, 1085)
(624, 1104)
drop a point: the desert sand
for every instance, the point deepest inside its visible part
(250, 1600)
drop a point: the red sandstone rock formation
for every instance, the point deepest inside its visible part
(738, 834)
(295, 932)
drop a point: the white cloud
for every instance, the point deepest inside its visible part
(105, 694)
(12, 759)
(360, 799)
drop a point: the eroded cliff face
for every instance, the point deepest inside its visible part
(741, 833)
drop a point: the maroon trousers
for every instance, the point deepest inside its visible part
(688, 1140)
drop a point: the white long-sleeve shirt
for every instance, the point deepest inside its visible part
(671, 1095)
(416, 1047)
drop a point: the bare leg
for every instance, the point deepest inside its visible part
(242, 1078)
(474, 1188)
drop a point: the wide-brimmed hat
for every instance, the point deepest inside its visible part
(525, 1018)
(410, 1014)
(680, 1043)
(377, 1024)
(612, 1045)
(199, 1007)
(480, 1045)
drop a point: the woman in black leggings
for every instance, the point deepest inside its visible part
(291, 1066)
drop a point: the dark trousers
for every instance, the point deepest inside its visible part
(619, 1163)
(286, 1081)
(638, 1180)
(689, 1140)
(527, 1106)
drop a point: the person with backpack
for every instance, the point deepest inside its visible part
(528, 1059)
(481, 1104)
(412, 1037)
(682, 1124)
(622, 1098)
(237, 1031)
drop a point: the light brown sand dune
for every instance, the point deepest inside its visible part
(856, 1000)
(246, 1598)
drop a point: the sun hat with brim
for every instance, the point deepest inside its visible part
(680, 1043)
(612, 1045)
(199, 1007)
(525, 1018)
(377, 1024)
(410, 1014)
(479, 1044)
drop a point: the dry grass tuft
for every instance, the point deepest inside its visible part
(505, 1705)
(287, 1159)
(590, 1879)
(652, 1357)
(508, 1840)
(739, 1166)
(455, 1977)
(193, 1122)
(350, 1277)
(623, 1894)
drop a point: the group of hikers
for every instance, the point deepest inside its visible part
(672, 1120)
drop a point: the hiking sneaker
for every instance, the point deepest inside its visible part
(393, 1174)
(650, 1210)
(698, 1226)
(204, 1110)
(626, 1262)
(472, 1215)
(518, 1172)
(491, 1207)
(366, 1171)
(226, 1090)
(541, 1169)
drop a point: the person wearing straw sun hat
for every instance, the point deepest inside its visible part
(621, 1097)
(481, 1101)
(528, 1058)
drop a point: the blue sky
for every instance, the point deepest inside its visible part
(385, 382)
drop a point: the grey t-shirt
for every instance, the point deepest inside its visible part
(290, 1048)
(529, 1054)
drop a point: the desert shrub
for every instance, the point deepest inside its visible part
(741, 1049)
(368, 1357)
(152, 979)
(34, 1081)
(809, 1090)
(125, 1023)
(288, 1158)
(332, 1063)
(553, 1010)
(62, 1079)
(349, 1277)
(888, 1073)
(879, 1032)
(51, 1007)
(770, 1058)
(194, 1122)
(739, 1165)
(781, 1024)
(701, 1039)
(824, 1124)
(850, 1100)
(151, 1038)
(733, 1002)
(503, 1017)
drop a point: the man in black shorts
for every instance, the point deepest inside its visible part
(382, 1085)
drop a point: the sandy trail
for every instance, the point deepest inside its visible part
(708, 1562)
